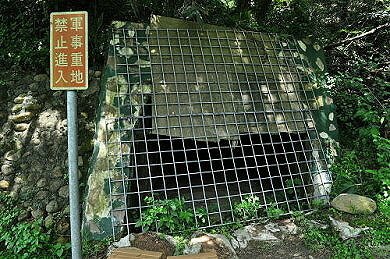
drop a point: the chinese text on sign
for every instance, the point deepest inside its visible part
(69, 51)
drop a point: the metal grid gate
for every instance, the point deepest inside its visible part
(216, 116)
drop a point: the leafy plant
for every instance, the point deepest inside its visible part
(166, 216)
(201, 216)
(318, 203)
(181, 243)
(274, 212)
(25, 239)
(95, 248)
(247, 209)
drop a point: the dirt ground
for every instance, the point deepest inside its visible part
(290, 247)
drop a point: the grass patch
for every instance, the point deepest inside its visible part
(370, 244)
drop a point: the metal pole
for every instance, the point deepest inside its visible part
(71, 104)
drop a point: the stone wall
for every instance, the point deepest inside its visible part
(33, 144)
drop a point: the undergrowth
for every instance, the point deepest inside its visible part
(28, 238)
(370, 244)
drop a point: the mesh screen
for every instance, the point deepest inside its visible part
(216, 116)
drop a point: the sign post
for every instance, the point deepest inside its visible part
(69, 71)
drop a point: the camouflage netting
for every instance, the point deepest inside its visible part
(287, 95)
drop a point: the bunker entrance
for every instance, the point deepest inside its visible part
(214, 117)
(217, 175)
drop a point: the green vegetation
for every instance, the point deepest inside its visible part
(366, 246)
(26, 239)
(354, 34)
(247, 209)
(166, 216)
(95, 248)
(274, 213)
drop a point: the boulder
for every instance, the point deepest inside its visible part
(4, 184)
(354, 204)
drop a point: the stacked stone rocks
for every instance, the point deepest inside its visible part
(33, 146)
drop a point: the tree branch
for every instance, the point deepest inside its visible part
(357, 37)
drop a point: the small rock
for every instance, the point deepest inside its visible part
(97, 73)
(24, 166)
(63, 227)
(6, 169)
(251, 232)
(19, 99)
(265, 236)
(171, 240)
(123, 242)
(4, 184)
(41, 183)
(80, 161)
(92, 88)
(49, 221)
(354, 204)
(226, 249)
(17, 107)
(21, 127)
(272, 227)
(32, 107)
(235, 243)
(58, 172)
(41, 195)
(12, 156)
(23, 215)
(35, 141)
(64, 191)
(37, 213)
(34, 87)
(52, 206)
(41, 78)
(192, 249)
(345, 230)
(34, 177)
(22, 117)
(55, 185)
(18, 180)
(289, 228)
(48, 119)
(212, 243)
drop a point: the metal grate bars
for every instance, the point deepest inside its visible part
(213, 117)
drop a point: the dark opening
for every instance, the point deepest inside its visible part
(217, 175)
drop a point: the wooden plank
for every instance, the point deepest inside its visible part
(134, 253)
(210, 255)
